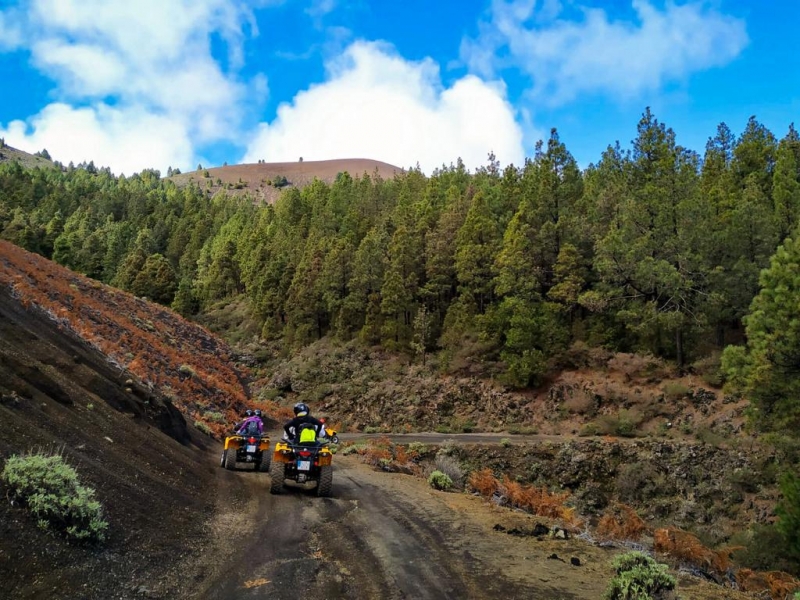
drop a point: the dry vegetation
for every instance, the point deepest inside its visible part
(621, 523)
(180, 359)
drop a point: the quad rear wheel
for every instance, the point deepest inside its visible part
(325, 481)
(277, 472)
(230, 459)
(264, 464)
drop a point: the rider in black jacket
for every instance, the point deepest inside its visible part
(301, 417)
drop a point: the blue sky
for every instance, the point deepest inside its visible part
(155, 83)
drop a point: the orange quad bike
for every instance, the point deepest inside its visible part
(246, 448)
(306, 460)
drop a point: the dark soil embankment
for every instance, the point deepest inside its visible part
(133, 447)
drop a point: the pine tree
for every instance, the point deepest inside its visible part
(786, 190)
(771, 368)
(476, 245)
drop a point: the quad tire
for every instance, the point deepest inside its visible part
(222, 459)
(277, 472)
(325, 481)
(230, 459)
(264, 464)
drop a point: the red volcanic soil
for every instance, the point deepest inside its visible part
(177, 358)
(257, 179)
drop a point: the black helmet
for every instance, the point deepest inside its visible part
(257, 412)
(301, 409)
(248, 413)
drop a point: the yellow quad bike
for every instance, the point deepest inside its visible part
(303, 461)
(330, 432)
(247, 448)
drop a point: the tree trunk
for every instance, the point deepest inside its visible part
(679, 347)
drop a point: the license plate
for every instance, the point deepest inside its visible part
(303, 465)
(251, 448)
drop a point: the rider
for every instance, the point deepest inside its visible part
(252, 423)
(303, 421)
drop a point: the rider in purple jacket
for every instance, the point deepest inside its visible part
(252, 424)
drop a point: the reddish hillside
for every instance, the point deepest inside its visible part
(180, 359)
(257, 179)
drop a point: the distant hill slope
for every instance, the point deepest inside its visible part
(258, 179)
(171, 355)
(9, 154)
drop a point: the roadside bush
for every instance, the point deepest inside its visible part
(686, 547)
(358, 448)
(201, 426)
(484, 482)
(440, 481)
(417, 448)
(639, 577)
(50, 489)
(621, 523)
(450, 467)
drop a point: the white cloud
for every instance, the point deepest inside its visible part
(320, 8)
(599, 54)
(377, 105)
(149, 59)
(128, 139)
(11, 36)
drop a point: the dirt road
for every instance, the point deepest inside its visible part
(382, 535)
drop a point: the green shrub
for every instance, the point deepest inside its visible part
(709, 369)
(354, 449)
(589, 429)
(625, 427)
(638, 578)
(200, 426)
(186, 370)
(789, 513)
(764, 548)
(214, 417)
(675, 390)
(440, 481)
(417, 447)
(50, 489)
(450, 467)
(505, 442)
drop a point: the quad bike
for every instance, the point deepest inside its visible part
(330, 432)
(302, 462)
(250, 448)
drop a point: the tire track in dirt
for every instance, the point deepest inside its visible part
(376, 538)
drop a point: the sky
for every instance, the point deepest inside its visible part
(138, 84)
